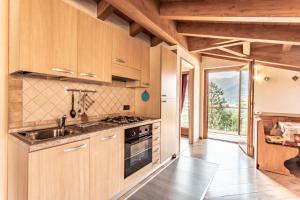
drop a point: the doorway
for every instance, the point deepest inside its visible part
(227, 105)
(186, 105)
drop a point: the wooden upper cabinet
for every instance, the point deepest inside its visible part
(60, 173)
(107, 165)
(122, 48)
(64, 36)
(94, 49)
(145, 66)
(43, 37)
(168, 73)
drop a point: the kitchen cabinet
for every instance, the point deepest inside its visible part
(94, 49)
(144, 62)
(107, 165)
(169, 74)
(130, 58)
(43, 37)
(60, 173)
(169, 128)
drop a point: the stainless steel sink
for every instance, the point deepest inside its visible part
(47, 134)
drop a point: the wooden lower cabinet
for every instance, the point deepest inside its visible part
(60, 173)
(107, 165)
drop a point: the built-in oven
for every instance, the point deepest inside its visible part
(138, 148)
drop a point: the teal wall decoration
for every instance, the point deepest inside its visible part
(145, 96)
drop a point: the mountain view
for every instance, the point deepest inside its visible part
(229, 83)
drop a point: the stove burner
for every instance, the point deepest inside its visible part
(122, 119)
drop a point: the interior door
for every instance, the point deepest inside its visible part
(245, 109)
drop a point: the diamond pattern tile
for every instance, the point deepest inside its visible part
(47, 99)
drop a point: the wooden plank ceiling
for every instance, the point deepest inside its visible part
(263, 30)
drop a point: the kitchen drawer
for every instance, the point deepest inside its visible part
(156, 140)
(156, 149)
(155, 162)
(156, 133)
(156, 126)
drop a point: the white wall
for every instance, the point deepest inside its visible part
(278, 95)
(3, 96)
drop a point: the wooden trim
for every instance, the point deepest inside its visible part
(135, 29)
(155, 41)
(205, 105)
(146, 13)
(250, 135)
(3, 96)
(104, 10)
(278, 34)
(191, 100)
(192, 107)
(231, 10)
(225, 57)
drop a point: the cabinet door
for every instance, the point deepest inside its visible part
(107, 165)
(168, 74)
(145, 66)
(169, 128)
(94, 49)
(64, 46)
(60, 173)
(47, 37)
(122, 45)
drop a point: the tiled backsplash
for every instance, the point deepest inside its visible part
(45, 100)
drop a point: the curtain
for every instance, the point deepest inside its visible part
(184, 87)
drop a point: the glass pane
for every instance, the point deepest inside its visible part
(185, 109)
(223, 102)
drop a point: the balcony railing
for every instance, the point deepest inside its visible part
(226, 120)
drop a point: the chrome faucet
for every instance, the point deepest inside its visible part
(61, 122)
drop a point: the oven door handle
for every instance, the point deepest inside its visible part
(150, 148)
(142, 139)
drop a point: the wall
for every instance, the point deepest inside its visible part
(210, 63)
(278, 95)
(3, 96)
(37, 101)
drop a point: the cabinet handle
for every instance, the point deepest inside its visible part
(88, 74)
(163, 95)
(146, 84)
(164, 101)
(109, 137)
(76, 148)
(62, 70)
(156, 139)
(119, 60)
(155, 128)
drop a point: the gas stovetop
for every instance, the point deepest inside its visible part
(122, 119)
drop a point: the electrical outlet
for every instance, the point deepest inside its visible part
(126, 107)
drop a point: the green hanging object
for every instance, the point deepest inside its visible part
(145, 96)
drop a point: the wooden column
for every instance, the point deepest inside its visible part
(3, 96)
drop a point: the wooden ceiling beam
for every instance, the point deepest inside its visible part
(104, 9)
(146, 14)
(155, 41)
(237, 52)
(195, 44)
(282, 34)
(135, 29)
(269, 54)
(231, 10)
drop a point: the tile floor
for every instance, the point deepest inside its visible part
(237, 177)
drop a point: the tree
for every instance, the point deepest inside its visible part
(219, 117)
